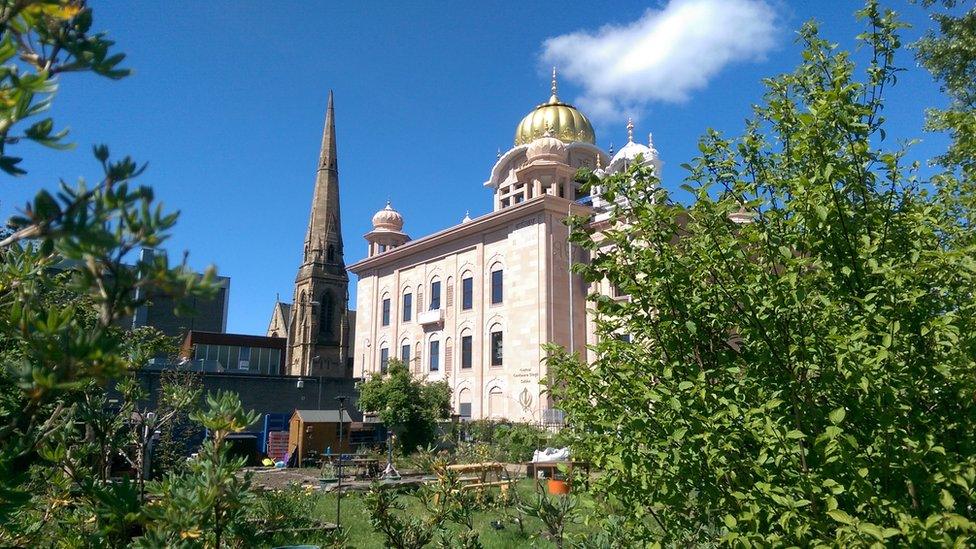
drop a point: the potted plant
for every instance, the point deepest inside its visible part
(328, 476)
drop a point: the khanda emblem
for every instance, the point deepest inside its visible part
(525, 400)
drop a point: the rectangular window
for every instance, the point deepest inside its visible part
(435, 295)
(464, 410)
(405, 354)
(386, 312)
(244, 360)
(407, 306)
(496, 287)
(384, 359)
(467, 293)
(466, 351)
(496, 348)
(435, 356)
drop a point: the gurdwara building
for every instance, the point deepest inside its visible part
(474, 304)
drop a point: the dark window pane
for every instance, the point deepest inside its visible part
(464, 409)
(328, 314)
(435, 356)
(405, 354)
(407, 306)
(467, 293)
(496, 348)
(466, 351)
(384, 359)
(435, 295)
(496, 287)
(386, 312)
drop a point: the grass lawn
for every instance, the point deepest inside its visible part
(355, 520)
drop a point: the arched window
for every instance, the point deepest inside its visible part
(405, 353)
(330, 253)
(496, 403)
(385, 310)
(407, 306)
(434, 355)
(497, 277)
(301, 308)
(384, 358)
(496, 345)
(467, 345)
(435, 294)
(464, 403)
(327, 316)
(467, 291)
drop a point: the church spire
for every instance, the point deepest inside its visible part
(327, 156)
(318, 333)
(323, 222)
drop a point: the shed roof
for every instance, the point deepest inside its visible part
(322, 416)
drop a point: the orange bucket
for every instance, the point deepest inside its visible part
(558, 486)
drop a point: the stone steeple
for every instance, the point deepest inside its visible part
(318, 334)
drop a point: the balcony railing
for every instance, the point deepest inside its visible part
(431, 317)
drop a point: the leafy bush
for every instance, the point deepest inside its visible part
(408, 406)
(512, 442)
(800, 366)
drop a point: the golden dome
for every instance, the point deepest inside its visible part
(563, 121)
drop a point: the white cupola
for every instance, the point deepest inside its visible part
(629, 153)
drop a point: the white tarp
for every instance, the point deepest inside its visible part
(550, 454)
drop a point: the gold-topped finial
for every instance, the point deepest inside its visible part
(498, 154)
(554, 98)
(630, 130)
(599, 162)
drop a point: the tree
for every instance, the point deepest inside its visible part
(409, 407)
(60, 345)
(800, 366)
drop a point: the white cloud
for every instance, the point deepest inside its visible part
(663, 56)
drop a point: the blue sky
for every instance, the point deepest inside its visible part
(228, 98)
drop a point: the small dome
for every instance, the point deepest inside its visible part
(388, 219)
(563, 121)
(626, 155)
(546, 148)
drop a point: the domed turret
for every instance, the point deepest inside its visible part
(626, 156)
(562, 120)
(546, 148)
(388, 219)
(387, 232)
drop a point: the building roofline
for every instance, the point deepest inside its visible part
(476, 225)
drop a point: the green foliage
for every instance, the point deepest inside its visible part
(950, 54)
(64, 288)
(511, 442)
(409, 407)
(205, 505)
(800, 366)
(444, 502)
(39, 40)
(180, 391)
(556, 513)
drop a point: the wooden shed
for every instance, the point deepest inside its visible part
(310, 432)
